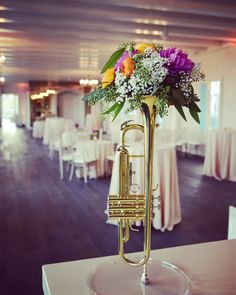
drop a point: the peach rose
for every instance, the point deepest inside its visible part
(128, 67)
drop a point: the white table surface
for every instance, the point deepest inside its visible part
(210, 266)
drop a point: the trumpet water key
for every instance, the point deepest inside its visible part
(127, 207)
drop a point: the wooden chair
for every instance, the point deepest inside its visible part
(65, 151)
(83, 159)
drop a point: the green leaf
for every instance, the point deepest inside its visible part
(195, 115)
(111, 109)
(179, 96)
(192, 90)
(87, 97)
(193, 106)
(194, 97)
(113, 59)
(117, 110)
(95, 96)
(180, 110)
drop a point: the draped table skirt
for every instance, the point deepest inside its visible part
(38, 129)
(220, 157)
(166, 209)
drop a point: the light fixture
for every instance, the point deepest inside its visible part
(91, 82)
(148, 32)
(2, 59)
(41, 95)
(2, 80)
(50, 91)
(151, 21)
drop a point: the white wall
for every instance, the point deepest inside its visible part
(72, 106)
(220, 64)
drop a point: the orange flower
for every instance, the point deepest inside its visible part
(128, 67)
(108, 77)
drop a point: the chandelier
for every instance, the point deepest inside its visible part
(41, 95)
(88, 82)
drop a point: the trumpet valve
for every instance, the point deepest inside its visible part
(131, 207)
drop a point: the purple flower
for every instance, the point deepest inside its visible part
(178, 60)
(120, 61)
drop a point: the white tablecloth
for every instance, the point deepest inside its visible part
(102, 149)
(210, 267)
(164, 136)
(92, 121)
(38, 129)
(220, 157)
(56, 126)
(164, 174)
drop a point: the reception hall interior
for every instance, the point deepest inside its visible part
(59, 154)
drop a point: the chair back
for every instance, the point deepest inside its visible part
(67, 139)
(84, 152)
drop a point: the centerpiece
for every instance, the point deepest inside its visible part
(149, 78)
(134, 71)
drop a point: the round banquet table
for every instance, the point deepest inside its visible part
(38, 129)
(56, 126)
(166, 207)
(101, 149)
(220, 157)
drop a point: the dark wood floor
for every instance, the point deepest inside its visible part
(45, 220)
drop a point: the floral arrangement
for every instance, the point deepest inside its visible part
(137, 70)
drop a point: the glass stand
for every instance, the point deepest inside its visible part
(116, 278)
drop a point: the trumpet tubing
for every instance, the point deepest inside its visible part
(127, 207)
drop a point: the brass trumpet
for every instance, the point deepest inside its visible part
(128, 207)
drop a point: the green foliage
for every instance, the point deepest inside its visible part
(179, 97)
(195, 115)
(115, 109)
(163, 94)
(194, 107)
(179, 108)
(145, 80)
(135, 103)
(126, 45)
(159, 46)
(142, 72)
(111, 109)
(96, 96)
(194, 110)
(162, 107)
(113, 59)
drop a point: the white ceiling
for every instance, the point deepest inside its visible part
(71, 39)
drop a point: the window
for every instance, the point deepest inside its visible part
(214, 104)
(10, 106)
